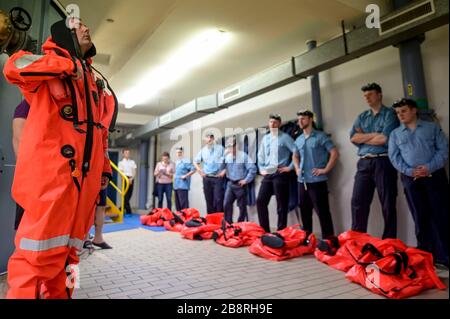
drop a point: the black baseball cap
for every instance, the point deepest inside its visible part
(275, 116)
(404, 101)
(371, 87)
(305, 113)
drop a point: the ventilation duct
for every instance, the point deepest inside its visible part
(348, 46)
(408, 16)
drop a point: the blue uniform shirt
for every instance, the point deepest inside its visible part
(313, 153)
(275, 152)
(426, 145)
(212, 158)
(384, 122)
(182, 167)
(239, 167)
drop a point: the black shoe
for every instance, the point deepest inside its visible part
(87, 245)
(103, 245)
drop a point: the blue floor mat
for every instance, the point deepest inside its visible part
(129, 222)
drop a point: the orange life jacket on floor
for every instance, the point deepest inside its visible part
(398, 275)
(288, 243)
(384, 266)
(355, 246)
(156, 217)
(179, 218)
(202, 228)
(237, 234)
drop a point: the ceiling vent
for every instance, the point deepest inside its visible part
(231, 93)
(407, 16)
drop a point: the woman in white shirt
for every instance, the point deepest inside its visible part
(128, 167)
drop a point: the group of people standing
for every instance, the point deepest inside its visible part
(389, 140)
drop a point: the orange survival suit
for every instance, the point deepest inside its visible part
(61, 159)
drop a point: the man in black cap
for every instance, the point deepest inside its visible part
(213, 187)
(370, 133)
(240, 170)
(62, 161)
(274, 163)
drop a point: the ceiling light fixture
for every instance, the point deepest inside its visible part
(189, 56)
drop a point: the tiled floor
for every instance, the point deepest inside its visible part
(147, 264)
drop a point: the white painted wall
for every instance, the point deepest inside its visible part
(342, 102)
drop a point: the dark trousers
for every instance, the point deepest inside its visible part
(214, 192)
(19, 215)
(428, 202)
(380, 174)
(278, 185)
(164, 189)
(181, 199)
(315, 195)
(127, 199)
(232, 193)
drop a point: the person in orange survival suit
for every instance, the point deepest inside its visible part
(62, 162)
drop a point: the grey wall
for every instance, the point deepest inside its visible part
(9, 98)
(342, 101)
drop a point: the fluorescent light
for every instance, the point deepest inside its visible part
(190, 55)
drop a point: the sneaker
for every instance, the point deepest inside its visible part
(103, 245)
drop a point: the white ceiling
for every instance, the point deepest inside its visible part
(263, 33)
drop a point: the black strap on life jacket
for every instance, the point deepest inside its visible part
(372, 249)
(116, 102)
(90, 125)
(177, 219)
(75, 179)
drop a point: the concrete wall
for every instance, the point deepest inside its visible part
(342, 102)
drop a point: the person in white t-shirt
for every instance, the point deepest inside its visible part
(128, 167)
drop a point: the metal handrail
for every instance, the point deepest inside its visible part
(125, 183)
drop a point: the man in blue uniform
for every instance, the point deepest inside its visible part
(182, 179)
(370, 133)
(314, 157)
(240, 171)
(419, 150)
(212, 157)
(274, 163)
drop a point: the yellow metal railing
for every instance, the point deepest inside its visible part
(115, 213)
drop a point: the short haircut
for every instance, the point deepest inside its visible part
(166, 154)
(371, 87)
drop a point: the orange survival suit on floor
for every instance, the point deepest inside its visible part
(156, 217)
(61, 160)
(176, 223)
(284, 244)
